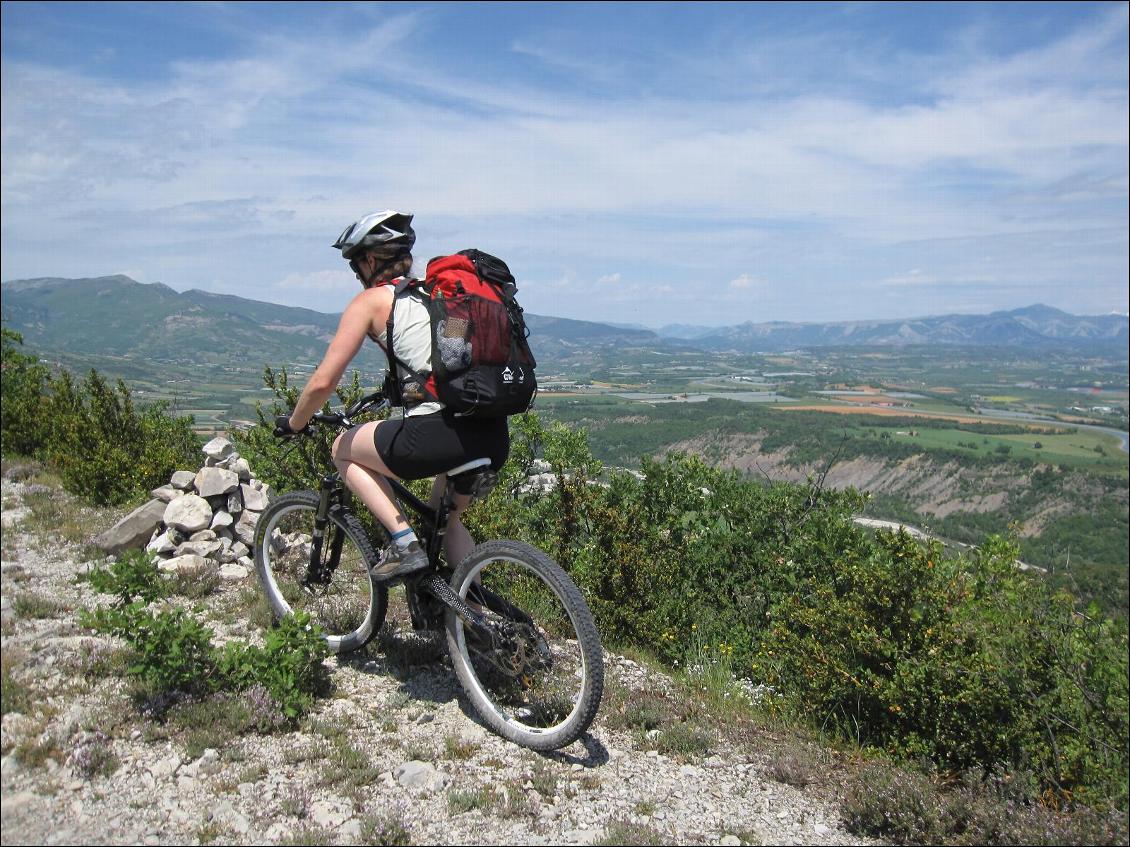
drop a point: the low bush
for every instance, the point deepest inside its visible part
(906, 807)
(106, 450)
(130, 577)
(94, 756)
(172, 652)
(964, 661)
(289, 667)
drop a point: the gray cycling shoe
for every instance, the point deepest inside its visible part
(396, 563)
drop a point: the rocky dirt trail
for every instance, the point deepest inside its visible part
(394, 755)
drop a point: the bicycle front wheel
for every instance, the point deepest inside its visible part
(328, 580)
(535, 673)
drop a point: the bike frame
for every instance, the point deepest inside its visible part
(432, 523)
(434, 520)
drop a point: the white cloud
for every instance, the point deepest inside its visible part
(912, 278)
(219, 168)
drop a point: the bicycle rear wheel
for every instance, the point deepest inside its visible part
(334, 587)
(536, 673)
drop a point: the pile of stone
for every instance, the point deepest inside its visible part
(200, 521)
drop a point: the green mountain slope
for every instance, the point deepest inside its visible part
(120, 317)
(117, 316)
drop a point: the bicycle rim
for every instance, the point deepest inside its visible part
(537, 677)
(337, 592)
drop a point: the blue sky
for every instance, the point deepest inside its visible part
(642, 163)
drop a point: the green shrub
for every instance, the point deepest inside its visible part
(289, 666)
(291, 464)
(966, 662)
(132, 576)
(173, 652)
(105, 449)
(22, 385)
(905, 807)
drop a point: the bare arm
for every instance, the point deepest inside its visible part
(369, 309)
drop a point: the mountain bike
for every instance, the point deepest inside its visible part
(520, 635)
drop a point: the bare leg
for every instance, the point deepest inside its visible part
(458, 541)
(355, 456)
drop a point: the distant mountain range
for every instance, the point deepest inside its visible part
(116, 315)
(1033, 326)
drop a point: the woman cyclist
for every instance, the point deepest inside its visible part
(429, 440)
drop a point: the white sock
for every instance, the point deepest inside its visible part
(403, 538)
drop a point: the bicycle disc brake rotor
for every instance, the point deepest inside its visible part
(515, 649)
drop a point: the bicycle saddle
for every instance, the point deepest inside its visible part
(474, 477)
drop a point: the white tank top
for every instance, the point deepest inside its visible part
(412, 342)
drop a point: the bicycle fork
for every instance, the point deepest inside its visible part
(318, 572)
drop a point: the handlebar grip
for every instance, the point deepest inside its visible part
(284, 430)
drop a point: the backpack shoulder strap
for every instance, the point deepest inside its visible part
(402, 285)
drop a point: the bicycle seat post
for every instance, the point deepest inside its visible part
(439, 530)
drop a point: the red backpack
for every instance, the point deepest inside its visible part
(481, 360)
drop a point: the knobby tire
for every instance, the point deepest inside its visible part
(540, 688)
(350, 606)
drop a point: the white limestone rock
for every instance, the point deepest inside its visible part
(245, 527)
(166, 493)
(134, 530)
(212, 482)
(241, 469)
(233, 572)
(161, 544)
(221, 520)
(206, 549)
(253, 499)
(188, 563)
(218, 448)
(189, 513)
(183, 480)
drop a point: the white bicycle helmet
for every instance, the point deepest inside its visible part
(388, 233)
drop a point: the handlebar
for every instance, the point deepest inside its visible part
(370, 402)
(343, 419)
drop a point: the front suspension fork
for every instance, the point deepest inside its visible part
(316, 571)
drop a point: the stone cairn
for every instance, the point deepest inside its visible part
(200, 521)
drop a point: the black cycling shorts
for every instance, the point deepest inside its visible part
(428, 445)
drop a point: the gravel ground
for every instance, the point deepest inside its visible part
(418, 767)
